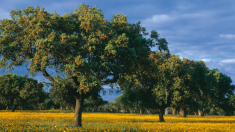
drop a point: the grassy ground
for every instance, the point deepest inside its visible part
(56, 120)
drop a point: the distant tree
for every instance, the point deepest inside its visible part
(216, 86)
(45, 95)
(61, 93)
(120, 104)
(93, 104)
(165, 82)
(228, 104)
(19, 91)
(137, 98)
(88, 105)
(113, 106)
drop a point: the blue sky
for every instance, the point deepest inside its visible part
(198, 30)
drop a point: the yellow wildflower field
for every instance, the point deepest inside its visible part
(108, 122)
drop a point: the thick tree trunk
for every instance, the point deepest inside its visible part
(161, 119)
(195, 113)
(73, 107)
(173, 109)
(200, 113)
(182, 112)
(141, 111)
(78, 111)
(7, 108)
(67, 107)
(61, 107)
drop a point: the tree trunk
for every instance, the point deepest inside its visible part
(195, 113)
(7, 108)
(141, 111)
(13, 109)
(73, 107)
(200, 113)
(173, 109)
(161, 119)
(21, 107)
(166, 111)
(131, 111)
(182, 112)
(78, 111)
(67, 107)
(61, 107)
(149, 111)
(154, 111)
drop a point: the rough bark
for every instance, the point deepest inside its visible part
(78, 111)
(173, 110)
(161, 119)
(200, 113)
(182, 112)
(73, 107)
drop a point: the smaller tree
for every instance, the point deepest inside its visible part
(88, 105)
(113, 106)
(228, 105)
(120, 102)
(19, 91)
(48, 103)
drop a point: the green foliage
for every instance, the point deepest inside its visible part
(182, 84)
(108, 46)
(19, 91)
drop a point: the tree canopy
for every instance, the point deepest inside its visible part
(83, 46)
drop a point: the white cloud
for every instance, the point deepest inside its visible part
(106, 87)
(228, 61)
(221, 64)
(160, 18)
(165, 18)
(227, 36)
(206, 60)
(157, 19)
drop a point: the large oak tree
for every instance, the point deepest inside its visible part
(83, 46)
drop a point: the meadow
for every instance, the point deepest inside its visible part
(62, 121)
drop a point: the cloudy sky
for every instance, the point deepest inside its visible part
(198, 30)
